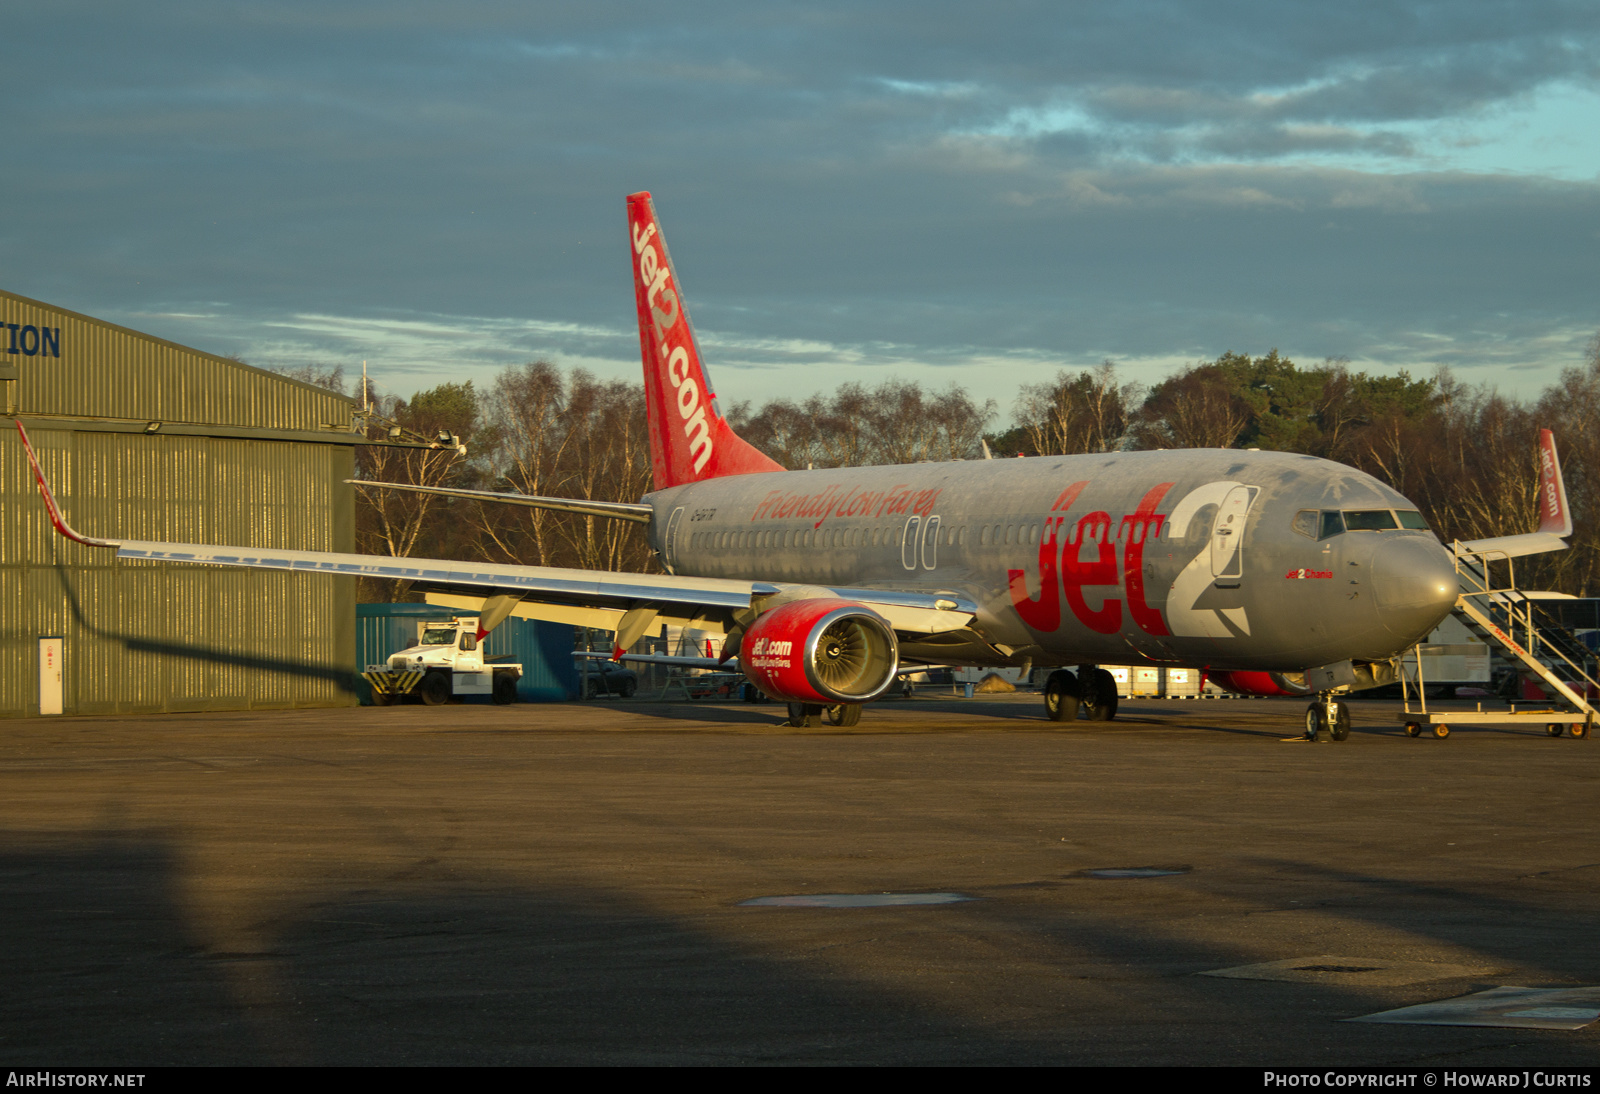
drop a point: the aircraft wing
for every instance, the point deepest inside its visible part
(578, 596)
(598, 598)
(490, 578)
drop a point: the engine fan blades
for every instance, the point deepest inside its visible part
(844, 658)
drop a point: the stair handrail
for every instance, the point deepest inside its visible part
(1474, 567)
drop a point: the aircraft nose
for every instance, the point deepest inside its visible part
(1414, 583)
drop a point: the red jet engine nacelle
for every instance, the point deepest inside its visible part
(1261, 683)
(820, 651)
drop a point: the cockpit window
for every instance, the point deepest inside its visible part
(1332, 523)
(1410, 518)
(1369, 520)
(1305, 522)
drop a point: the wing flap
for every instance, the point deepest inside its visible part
(577, 615)
(909, 620)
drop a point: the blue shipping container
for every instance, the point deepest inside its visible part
(544, 650)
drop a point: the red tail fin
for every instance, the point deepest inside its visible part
(689, 438)
(1554, 515)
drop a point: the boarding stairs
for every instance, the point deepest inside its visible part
(1541, 649)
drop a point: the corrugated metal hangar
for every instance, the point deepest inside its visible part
(145, 439)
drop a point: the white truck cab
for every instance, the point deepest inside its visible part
(446, 661)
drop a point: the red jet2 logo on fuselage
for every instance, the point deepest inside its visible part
(1085, 558)
(1073, 574)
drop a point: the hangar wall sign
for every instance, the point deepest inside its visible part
(32, 341)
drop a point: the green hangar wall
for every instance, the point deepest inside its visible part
(145, 439)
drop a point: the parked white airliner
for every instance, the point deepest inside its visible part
(1282, 573)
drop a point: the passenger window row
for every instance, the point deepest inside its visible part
(810, 537)
(989, 535)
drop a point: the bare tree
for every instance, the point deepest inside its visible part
(895, 422)
(315, 374)
(1571, 410)
(1199, 408)
(1089, 412)
(398, 522)
(526, 405)
(786, 431)
(565, 436)
(607, 458)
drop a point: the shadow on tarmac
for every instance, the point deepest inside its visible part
(105, 968)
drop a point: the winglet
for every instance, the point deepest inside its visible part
(50, 501)
(1555, 516)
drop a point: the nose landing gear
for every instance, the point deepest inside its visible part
(1326, 712)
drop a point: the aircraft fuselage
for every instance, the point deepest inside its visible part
(1214, 557)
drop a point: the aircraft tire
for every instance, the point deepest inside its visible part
(1313, 721)
(1103, 687)
(1340, 729)
(434, 689)
(505, 688)
(1061, 700)
(844, 714)
(804, 715)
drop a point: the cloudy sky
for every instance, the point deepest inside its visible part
(944, 192)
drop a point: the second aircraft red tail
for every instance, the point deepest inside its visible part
(689, 438)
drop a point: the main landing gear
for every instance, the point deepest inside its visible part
(810, 715)
(1327, 713)
(1093, 691)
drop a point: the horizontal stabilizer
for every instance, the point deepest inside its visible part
(1555, 515)
(1534, 543)
(620, 510)
(731, 665)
